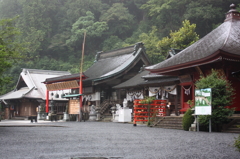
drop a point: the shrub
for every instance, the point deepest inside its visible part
(237, 143)
(222, 96)
(188, 119)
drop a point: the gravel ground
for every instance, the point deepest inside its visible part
(75, 140)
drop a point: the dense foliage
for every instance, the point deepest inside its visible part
(222, 96)
(53, 29)
(10, 51)
(237, 143)
(188, 119)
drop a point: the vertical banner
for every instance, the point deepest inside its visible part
(203, 101)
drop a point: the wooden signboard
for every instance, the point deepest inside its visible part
(74, 106)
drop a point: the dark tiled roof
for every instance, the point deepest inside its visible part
(114, 62)
(106, 65)
(109, 63)
(133, 82)
(226, 38)
(147, 78)
(161, 81)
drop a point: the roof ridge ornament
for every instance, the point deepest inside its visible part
(97, 56)
(137, 46)
(233, 7)
(141, 69)
(232, 13)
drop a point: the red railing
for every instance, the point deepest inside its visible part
(142, 112)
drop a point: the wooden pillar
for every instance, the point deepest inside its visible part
(6, 113)
(193, 92)
(176, 102)
(182, 98)
(47, 101)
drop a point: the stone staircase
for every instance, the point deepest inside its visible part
(104, 106)
(169, 122)
(105, 110)
(232, 127)
(19, 118)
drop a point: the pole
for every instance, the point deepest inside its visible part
(80, 81)
(210, 125)
(197, 124)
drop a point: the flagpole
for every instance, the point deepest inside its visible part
(80, 81)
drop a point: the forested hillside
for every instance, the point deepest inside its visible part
(52, 30)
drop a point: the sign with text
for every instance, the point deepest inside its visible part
(203, 101)
(74, 106)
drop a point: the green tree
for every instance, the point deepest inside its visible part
(222, 96)
(112, 43)
(180, 39)
(36, 24)
(88, 25)
(9, 9)
(187, 119)
(119, 20)
(207, 14)
(150, 41)
(10, 51)
(166, 14)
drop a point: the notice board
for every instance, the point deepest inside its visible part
(203, 101)
(74, 106)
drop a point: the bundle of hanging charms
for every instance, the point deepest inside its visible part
(188, 90)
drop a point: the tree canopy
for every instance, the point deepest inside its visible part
(10, 51)
(180, 39)
(52, 30)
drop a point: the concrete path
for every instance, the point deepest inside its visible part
(95, 140)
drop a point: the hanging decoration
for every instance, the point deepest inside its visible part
(132, 95)
(162, 91)
(171, 89)
(154, 91)
(87, 97)
(188, 90)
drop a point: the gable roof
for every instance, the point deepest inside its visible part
(222, 41)
(30, 84)
(112, 63)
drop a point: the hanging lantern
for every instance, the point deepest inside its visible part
(56, 95)
(62, 95)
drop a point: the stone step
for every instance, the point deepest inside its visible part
(170, 122)
(232, 131)
(170, 127)
(19, 118)
(234, 128)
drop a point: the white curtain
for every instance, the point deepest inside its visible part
(134, 95)
(171, 89)
(153, 91)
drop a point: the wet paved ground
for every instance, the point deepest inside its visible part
(77, 140)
